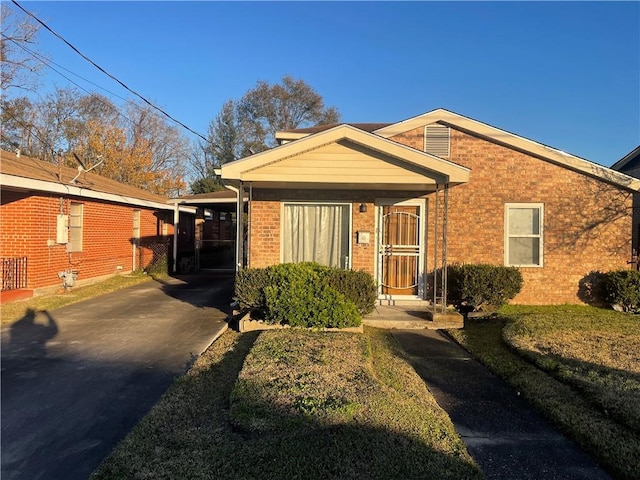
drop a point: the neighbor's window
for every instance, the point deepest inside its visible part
(523, 234)
(75, 228)
(316, 233)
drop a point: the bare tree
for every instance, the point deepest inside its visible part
(17, 64)
(169, 148)
(266, 109)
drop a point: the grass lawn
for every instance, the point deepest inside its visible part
(580, 366)
(295, 404)
(14, 311)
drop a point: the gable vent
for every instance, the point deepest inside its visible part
(436, 140)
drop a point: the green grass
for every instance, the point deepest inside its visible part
(578, 365)
(298, 405)
(14, 311)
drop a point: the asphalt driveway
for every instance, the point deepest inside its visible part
(76, 380)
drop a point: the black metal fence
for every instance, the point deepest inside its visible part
(14, 273)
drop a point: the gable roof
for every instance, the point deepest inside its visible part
(496, 135)
(628, 158)
(396, 166)
(513, 141)
(26, 173)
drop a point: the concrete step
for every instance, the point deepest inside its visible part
(404, 302)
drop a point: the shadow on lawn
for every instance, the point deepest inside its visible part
(604, 432)
(192, 431)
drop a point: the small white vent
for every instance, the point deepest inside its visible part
(436, 140)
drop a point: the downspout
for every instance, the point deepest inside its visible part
(176, 222)
(435, 250)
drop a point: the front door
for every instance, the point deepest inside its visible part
(400, 271)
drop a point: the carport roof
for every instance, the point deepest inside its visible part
(210, 198)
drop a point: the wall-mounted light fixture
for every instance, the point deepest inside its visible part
(363, 208)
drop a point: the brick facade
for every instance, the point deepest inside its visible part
(29, 227)
(587, 222)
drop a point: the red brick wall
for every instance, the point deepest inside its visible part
(587, 222)
(29, 221)
(265, 211)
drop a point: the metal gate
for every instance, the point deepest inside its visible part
(400, 250)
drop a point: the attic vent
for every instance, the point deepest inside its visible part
(436, 140)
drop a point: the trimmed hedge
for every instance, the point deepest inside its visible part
(306, 294)
(622, 288)
(481, 286)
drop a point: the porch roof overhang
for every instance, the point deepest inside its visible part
(345, 157)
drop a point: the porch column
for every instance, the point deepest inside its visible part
(440, 262)
(445, 215)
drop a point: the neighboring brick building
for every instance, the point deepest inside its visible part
(399, 200)
(630, 165)
(93, 225)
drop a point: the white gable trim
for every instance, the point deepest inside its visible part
(241, 169)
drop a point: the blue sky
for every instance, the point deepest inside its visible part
(566, 74)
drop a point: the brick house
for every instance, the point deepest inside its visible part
(403, 200)
(59, 219)
(630, 165)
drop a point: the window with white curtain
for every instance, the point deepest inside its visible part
(523, 234)
(316, 233)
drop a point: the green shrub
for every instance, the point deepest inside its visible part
(481, 286)
(298, 295)
(622, 288)
(359, 287)
(591, 289)
(249, 289)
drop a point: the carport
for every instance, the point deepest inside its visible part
(215, 233)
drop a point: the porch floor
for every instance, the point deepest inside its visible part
(412, 317)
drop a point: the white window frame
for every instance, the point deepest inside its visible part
(539, 235)
(306, 203)
(76, 220)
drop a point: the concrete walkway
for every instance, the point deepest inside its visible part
(506, 437)
(76, 380)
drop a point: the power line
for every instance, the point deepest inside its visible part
(107, 73)
(48, 63)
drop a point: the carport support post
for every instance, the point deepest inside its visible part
(240, 228)
(176, 223)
